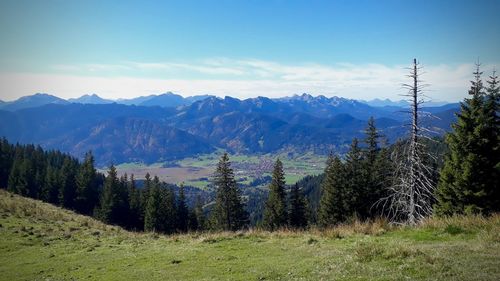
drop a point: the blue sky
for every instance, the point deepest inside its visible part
(354, 49)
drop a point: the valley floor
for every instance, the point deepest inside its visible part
(43, 242)
(198, 171)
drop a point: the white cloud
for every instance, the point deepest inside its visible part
(238, 78)
(207, 68)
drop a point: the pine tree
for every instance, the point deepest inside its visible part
(134, 202)
(152, 215)
(275, 212)
(86, 189)
(110, 198)
(228, 213)
(40, 169)
(382, 175)
(17, 181)
(375, 169)
(333, 201)
(24, 177)
(470, 176)
(144, 195)
(355, 190)
(123, 209)
(6, 161)
(160, 214)
(491, 147)
(182, 211)
(297, 214)
(201, 223)
(372, 141)
(67, 189)
(168, 211)
(50, 188)
(192, 220)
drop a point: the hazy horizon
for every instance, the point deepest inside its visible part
(402, 98)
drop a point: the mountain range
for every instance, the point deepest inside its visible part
(400, 103)
(168, 126)
(168, 99)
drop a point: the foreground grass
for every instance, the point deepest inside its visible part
(43, 242)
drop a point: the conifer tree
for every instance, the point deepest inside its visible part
(17, 182)
(228, 212)
(376, 168)
(86, 189)
(123, 209)
(50, 188)
(356, 191)
(382, 174)
(39, 168)
(110, 198)
(134, 202)
(152, 215)
(145, 194)
(67, 189)
(6, 159)
(297, 214)
(182, 210)
(192, 220)
(333, 201)
(275, 212)
(371, 141)
(491, 147)
(168, 211)
(469, 179)
(201, 223)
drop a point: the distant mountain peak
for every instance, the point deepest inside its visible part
(40, 96)
(385, 102)
(306, 97)
(35, 100)
(90, 99)
(167, 99)
(166, 94)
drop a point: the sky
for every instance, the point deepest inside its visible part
(273, 48)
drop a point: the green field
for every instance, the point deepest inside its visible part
(196, 171)
(43, 242)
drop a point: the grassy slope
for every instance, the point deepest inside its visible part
(40, 241)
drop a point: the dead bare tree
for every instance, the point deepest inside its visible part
(411, 195)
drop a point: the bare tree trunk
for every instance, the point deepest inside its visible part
(410, 197)
(414, 137)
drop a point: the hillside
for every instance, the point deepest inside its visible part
(40, 241)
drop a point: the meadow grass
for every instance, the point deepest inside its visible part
(43, 242)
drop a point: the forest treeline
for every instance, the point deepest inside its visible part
(352, 187)
(60, 179)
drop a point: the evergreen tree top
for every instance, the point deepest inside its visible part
(112, 172)
(354, 154)
(477, 84)
(493, 87)
(278, 178)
